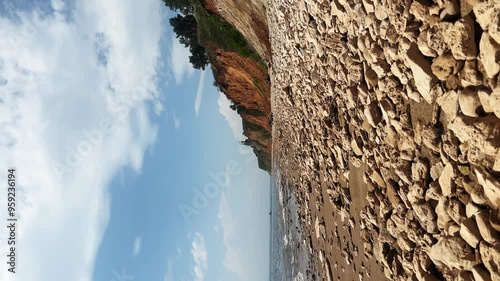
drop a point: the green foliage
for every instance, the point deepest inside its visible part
(186, 30)
(185, 7)
(216, 32)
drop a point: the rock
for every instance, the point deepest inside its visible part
(434, 192)
(422, 73)
(495, 219)
(469, 75)
(494, 101)
(489, 55)
(494, 28)
(479, 132)
(470, 232)
(420, 11)
(373, 114)
(445, 66)
(452, 229)
(469, 102)
(490, 255)
(490, 185)
(484, 12)
(462, 42)
(436, 170)
(419, 171)
(442, 214)
(426, 216)
(464, 276)
(446, 180)
(487, 231)
(480, 274)
(404, 243)
(455, 209)
(496, 165)
(449, 105)
(453, 252)
(484, 98)
(423, 45)
(439, 35)
(471, 209)
(450, 11)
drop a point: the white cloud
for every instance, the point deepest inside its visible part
(177, 121)
(244, 223)
(200, 257)
(63, 79)
(231, 116)
(199, 94)
(169, 273)
(137, 245)
(179, 56)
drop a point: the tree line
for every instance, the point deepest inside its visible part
(186, 29)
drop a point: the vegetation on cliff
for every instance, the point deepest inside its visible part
(239, 72)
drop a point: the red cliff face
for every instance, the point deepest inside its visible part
(246, 83)
(245, 80)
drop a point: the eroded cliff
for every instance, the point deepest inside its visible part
(236, 38)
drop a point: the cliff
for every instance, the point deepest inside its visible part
(237, 41)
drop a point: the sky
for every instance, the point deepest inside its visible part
(127, 160)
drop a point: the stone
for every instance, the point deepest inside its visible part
(450, 11)
(439, 35)
(419, 171)
(464, 276)
(480, 274)
(471, 209)
(422, 73)
(445, 66)
(478, 132)
(488, 233)
(423, 45)
(469, 102)
(469, 75)
(426, 216)
(442, 214)
(494, 28)
(496, 165)
(491, 187)
(463, 46)
(489, 55)
(449, 104)
(436, 170)
(453, 252)
(484, 12)
(484, 98)
(470, 232)
(446, 180)
(373, 114)
(495, 219)
(490, 255)
(455, 209)
(434, 192)
(494, 101)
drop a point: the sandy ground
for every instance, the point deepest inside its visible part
(386, 123)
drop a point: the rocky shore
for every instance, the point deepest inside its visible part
(386, 122)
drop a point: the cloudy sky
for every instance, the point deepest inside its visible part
(127, 160)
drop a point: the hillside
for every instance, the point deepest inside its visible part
(240, 70)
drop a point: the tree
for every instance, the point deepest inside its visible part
(186, 30)
(186, 7)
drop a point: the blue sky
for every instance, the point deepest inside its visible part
(114, 136)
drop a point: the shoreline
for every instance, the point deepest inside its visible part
(391, 142)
